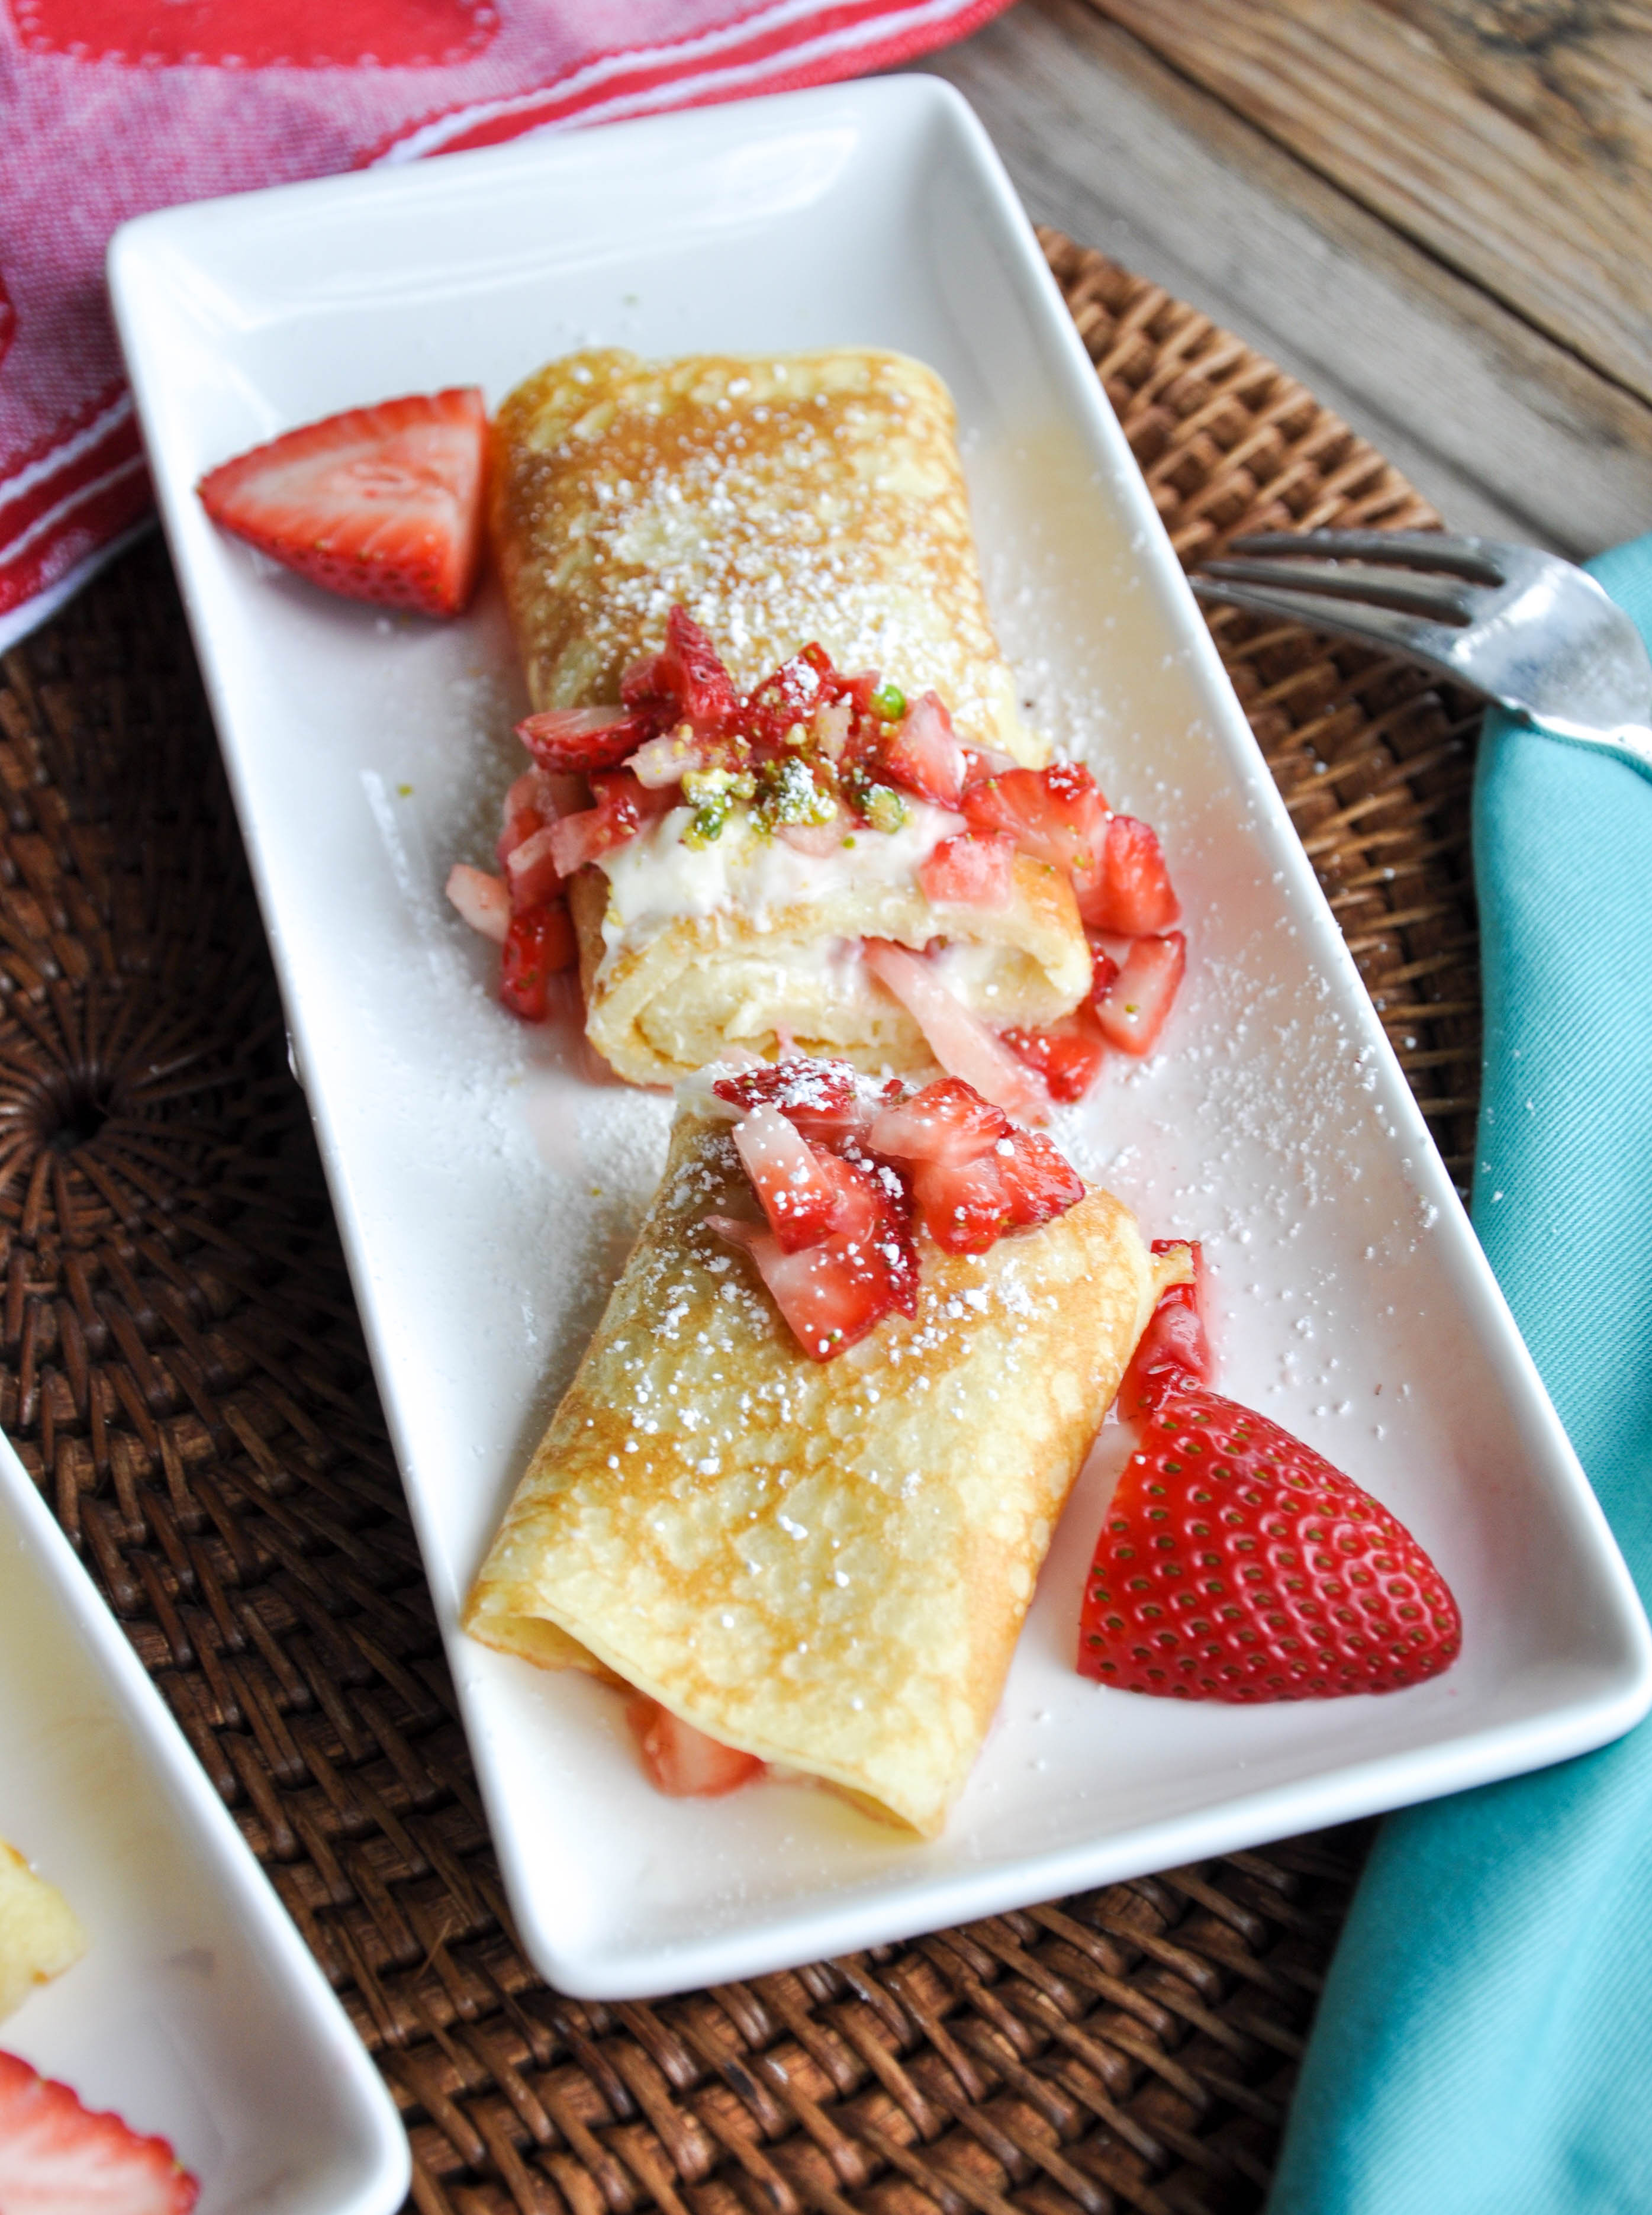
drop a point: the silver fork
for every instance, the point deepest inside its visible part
(1524, 628)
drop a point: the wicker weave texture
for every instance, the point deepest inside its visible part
(185, 1377)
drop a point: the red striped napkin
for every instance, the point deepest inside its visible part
(114, 107)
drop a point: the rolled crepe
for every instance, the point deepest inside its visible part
(823, 1564)
(817, 497)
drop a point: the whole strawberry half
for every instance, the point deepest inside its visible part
(55, 2154)
(1237, 1564)
(380, 504)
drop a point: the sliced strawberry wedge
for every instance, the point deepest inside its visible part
(963, 1045)
(624, 807)
(682, 1761)
(531, 869)
(539, 941)
(793, 1180)
(583, 738)
(821, 1097)
(922, 753)
(834, 1292)
(1175, 1348)
(974, 1176)
(970, 871)
(380, 504)
(483, 901)
(1056, 815)
(1133, 1009)
(1068, 1056)
(59, 2158)
(685, 682)
(1130, 894)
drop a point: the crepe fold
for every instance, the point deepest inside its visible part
(825, 1565)
(780, 501)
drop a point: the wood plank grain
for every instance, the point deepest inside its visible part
(1512, 138)
(1504, 431)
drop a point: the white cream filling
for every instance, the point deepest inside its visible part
(655, 878)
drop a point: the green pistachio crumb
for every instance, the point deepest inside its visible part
(890, 703)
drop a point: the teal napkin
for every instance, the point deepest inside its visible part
(1485, 2040)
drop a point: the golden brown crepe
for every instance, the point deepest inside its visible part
(823, 1564)
(780, 500)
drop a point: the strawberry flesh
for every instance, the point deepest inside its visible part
(1130, 894)
(969, 871)
(622, 808)
(1056, 815)
(1235, 1563)
(975, 1174)
(57, 2155)
(583, 738)
(922, 753)
(1133, 1009)
(539, 942)
(1068, 1056)
(682, 1761)
(381, 504)
(685, 682)
(820, 1097)
(793, 1179)
(1175, 1348)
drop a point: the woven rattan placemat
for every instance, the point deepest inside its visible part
(184, 1376)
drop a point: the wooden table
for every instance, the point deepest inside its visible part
(1437, 213)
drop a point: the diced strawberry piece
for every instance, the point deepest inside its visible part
(974, 1176)
(519, 828)
(684, 1762)
(798, 1192)
(963, 1045)
(831, 1294)
(1237, 1564)
(380, 504)
(59, 2158)
(531, 869)
(623, 808)
(820, 1097)
(1132, 1010)
(970, 871)
(1103, 969)
(667, 759)
(1068, 1056)
(685, 682)
(538, 943)
(483, 901)
(584, 738)
(1131, 894)
(790, 696)
(1175, 1348)
(922, 753)
(1056, 815)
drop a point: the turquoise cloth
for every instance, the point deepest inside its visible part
(1485, 2040)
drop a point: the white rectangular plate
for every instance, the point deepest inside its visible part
(196, 2011)
(486, 1189)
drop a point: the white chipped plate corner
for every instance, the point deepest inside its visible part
(197, 2010)
(484, 1190)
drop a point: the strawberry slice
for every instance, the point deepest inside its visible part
(960, 1042)
(1130, 895)
(539, 941)
(483, 901)
(793, 1179)
(59, 2158)
(683, 1761)
(685, 682)
(380, 503)
(1056, 815)
(790, 696)
(820, 1096)
(1175, 1348)
(974, 1176)
(584, 738)
(969, 871)
(1237, 1564)
(1133, 1009)
(922, 753)
(1068, 1056)
(831, 1294)
(623, 808)
(530, 870)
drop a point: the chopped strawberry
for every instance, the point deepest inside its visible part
(1056, 815)
(1068, 1056)
(960, 1042)
(974, 1176)
(539, 942)
(685, 682)
(531, 869)
(789, 1176)
(668, 758)
(1131, 894)
(585, 738)
(833, 1292)
(483, 901)
(922, 753)
(624, 807)
(1103, 969)
(59, 2158)
(1175, 1348)
(380, 503)
(1237, 1564)
(970, 871)
(683, 1761)
(1133, 1009)
(820, 1096)
(790, 696)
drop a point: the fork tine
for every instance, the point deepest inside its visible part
(1349, 580)
(1408, 549)
(1428, 642)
